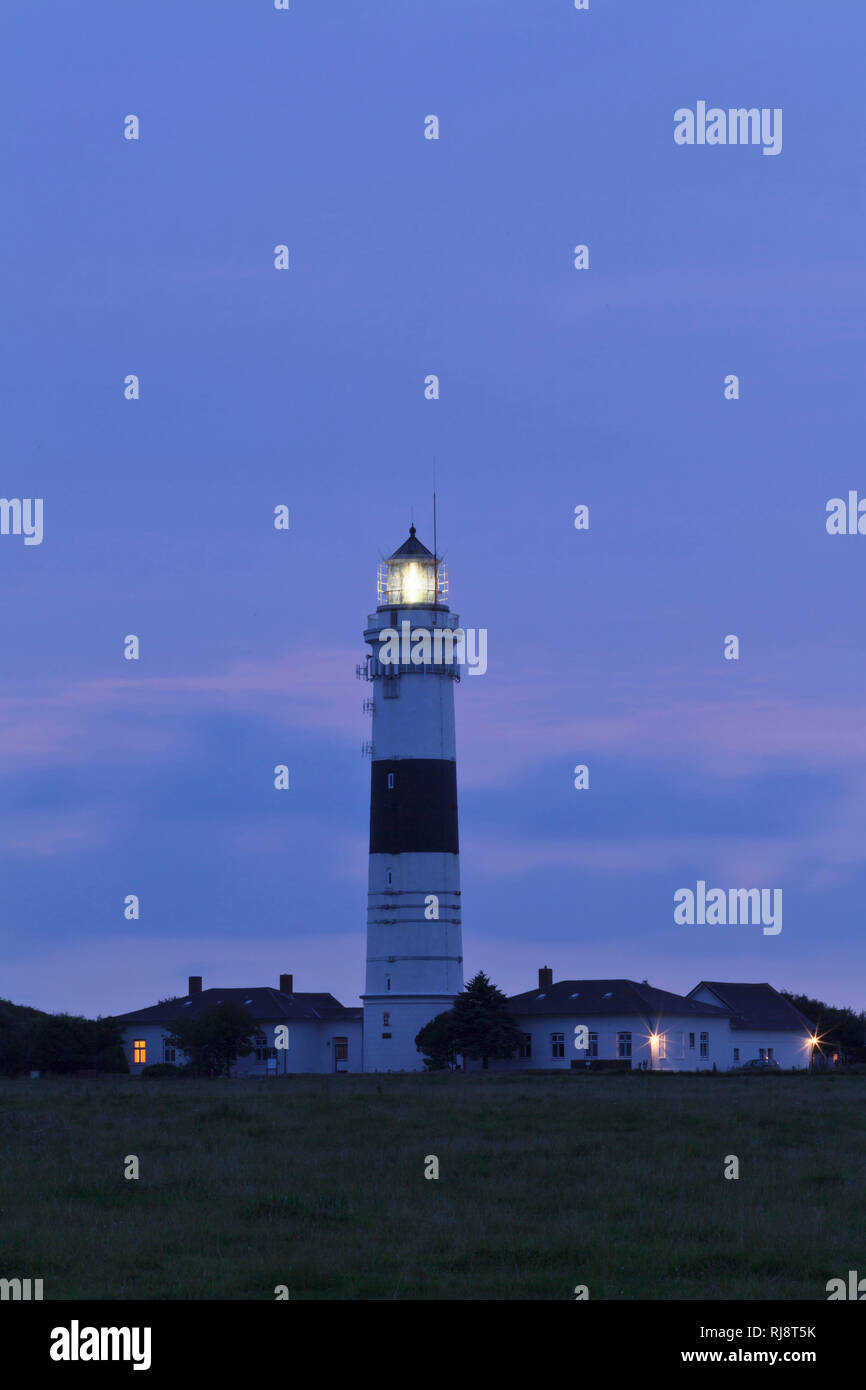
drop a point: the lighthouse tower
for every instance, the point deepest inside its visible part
(414, 938)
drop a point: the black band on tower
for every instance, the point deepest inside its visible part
(417, 812)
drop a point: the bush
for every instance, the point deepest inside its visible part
(162, 1069)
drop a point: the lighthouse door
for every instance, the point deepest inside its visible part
(341, 1054)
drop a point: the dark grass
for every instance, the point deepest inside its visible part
(546, 1182)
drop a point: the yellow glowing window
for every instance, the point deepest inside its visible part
(139, 1051)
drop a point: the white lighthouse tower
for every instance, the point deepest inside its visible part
(414, 937)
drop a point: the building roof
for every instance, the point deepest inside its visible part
(583, 998)
(262, 1004)
(756, 1006)
(411, 547)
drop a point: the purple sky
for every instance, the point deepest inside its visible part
(305, 387)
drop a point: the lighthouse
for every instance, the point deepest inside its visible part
(414, 937)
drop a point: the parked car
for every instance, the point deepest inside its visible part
(758, 1064)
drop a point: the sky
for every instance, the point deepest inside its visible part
(305, 387)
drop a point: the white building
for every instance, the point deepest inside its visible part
(321, 1035)
(620, 1024)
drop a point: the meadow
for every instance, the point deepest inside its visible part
(545, 1182)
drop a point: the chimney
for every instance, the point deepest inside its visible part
(286, 984)
(194, 984)
(545, 977)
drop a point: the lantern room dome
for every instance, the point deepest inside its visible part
(411, 548)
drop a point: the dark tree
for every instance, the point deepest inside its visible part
(436, 1041)
(17, 1029)
(214, 1039)
(483, 1025)
(68, 1043)
(839, 1029)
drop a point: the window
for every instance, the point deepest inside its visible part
(139, 1050)
(623, 1044)
(390, 878)
(386, 1020)
(387, 981)
(769, 1054)
(691, 1041)
(263, 1053)
(736, 1054)
(592, 1050)
(557, 1044)
(705, 1044)
(765, 1054)
(671, 1046)
(386, 1035)
(525, 1048)
(168, 1052)
(390, 781)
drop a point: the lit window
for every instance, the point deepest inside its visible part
(139, 1051)
(623, 1044)
(557, 1044)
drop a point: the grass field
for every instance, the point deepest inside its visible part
(546, 1182)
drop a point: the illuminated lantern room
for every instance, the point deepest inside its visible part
(412, 576)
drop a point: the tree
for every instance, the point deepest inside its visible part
(18, 1024)
(838, 1028)
(67, 1043)
(436, 1041)
(214, 1039)
(483, 1025)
